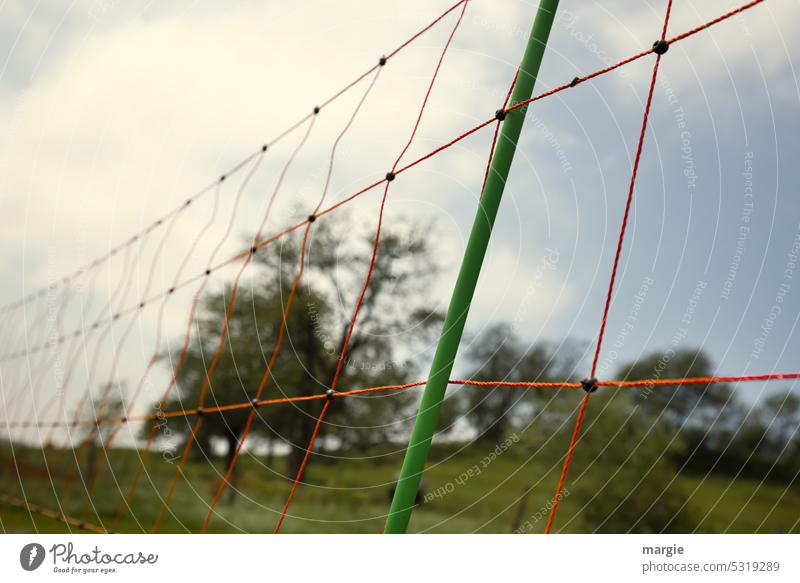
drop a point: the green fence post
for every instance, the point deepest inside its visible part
(428, 415)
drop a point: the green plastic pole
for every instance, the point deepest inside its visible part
(428, 416)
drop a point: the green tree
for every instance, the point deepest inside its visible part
(395, 318)
(94, 436)
(624, 471)
(781, 413)
(691, 408)
(499, 354)
(765, 443)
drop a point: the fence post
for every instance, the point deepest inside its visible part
(428, 415)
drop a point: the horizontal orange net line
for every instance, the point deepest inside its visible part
(510, 384)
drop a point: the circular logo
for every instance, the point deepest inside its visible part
(31, 556)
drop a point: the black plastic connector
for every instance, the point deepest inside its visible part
(253, 249)
(575, 81)
(199, 412)
(222, 178)
(208, 272)
(171, 290)
(264, 148)
(589, 384)
(311, 218)
(330, 394)
(254, 403)
(500, 114)
(390, 176)
(316, 110)
(382, 61)
(660, 47)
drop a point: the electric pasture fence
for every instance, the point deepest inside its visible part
(42, 312)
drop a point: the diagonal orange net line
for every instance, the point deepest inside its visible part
(282, 328)
(499, 115)
(185, 347)
(98, 261)
(636, 57)
(123, 287)
(259, 242)
(38, 364)
(296, 481)
(225, 328)
(71, 364)
(118, 350)
(576, 81)
(592, 382)
(107, 443)
(390, 176)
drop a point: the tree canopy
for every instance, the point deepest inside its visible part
(395, 321)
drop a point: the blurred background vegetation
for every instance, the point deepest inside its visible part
(652, 459)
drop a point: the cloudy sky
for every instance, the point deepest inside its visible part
(113, 113)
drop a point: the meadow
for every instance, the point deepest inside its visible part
(350, 494)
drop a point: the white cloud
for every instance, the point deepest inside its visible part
(134, 107)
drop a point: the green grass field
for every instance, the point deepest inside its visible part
(351, 496)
